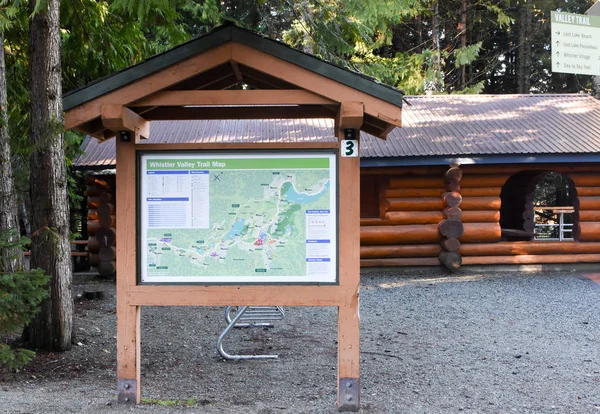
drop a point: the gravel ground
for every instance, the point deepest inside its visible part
(430, 343)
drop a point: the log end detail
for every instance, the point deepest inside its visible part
(450, 260)
(451, 229)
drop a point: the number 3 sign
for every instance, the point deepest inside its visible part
(349, 148)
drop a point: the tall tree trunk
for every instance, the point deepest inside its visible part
(437, 83)
(524, 47)
(419, 25)
(11, 259)
(24, 215)
(50, 249)
(462, 33)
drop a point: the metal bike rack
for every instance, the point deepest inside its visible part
(248, 316)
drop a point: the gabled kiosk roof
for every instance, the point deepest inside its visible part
(231, 73)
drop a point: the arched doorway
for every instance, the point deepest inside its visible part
(538, 205)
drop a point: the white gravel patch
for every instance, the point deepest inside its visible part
(473, 343)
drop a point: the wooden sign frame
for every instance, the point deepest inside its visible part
(131, 295)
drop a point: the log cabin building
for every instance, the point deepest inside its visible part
(467, 180)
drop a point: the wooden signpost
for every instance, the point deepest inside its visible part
(343, 294)
(182, 86)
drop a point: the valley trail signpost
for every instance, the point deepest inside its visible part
(575, 43)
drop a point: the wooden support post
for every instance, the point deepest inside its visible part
(349, 116)
(349, 357)
(128, 316)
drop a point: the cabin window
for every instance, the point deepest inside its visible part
(538, 205)
(554, 212)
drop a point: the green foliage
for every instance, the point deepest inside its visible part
(15, 358)
(466, 55)
(337, 31)
(190, 402)
(504, 20)
(389, 40)
(21, 294)
(147, 9)
(97, 42)
(8, 12)
(10, 244)
(99, 37)
(323, 29)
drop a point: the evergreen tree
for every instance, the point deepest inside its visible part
(11, 256)
(50, 247)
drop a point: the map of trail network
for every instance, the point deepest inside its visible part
(229, 218)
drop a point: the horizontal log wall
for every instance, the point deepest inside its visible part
(481, 205)
(404, 217)
(531, 259)
(491, 216)
(400, 262)
(526, 248)
(414, 204)
(420, 250)
(481, 232)
(401, 234)
(410, 210)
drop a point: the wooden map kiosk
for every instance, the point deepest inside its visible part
(233, 74)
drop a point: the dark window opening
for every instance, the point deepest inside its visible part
(369, 196)
(553, 205)
(537, 205)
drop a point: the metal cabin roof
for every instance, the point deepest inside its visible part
(220, 36)
(436, 130)
(463, 125)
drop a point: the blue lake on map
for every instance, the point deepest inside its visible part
(302, 198)
(236, 229)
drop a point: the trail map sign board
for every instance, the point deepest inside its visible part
(267, 217)
(575, 43)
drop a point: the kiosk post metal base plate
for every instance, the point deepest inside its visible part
(349, 394)
(126, 391)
